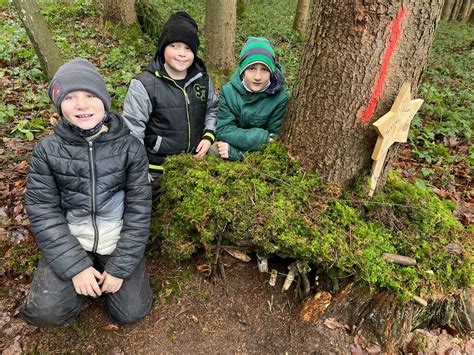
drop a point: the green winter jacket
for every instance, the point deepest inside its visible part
(245, 120)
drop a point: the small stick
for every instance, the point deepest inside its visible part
(420, 301)
(398, 259)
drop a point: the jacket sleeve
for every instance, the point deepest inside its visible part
(136, 218)
(61, 250)
(211, 114)
(228, 130)
(277, 116)
(137, 108)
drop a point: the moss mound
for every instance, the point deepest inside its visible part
(269, 203)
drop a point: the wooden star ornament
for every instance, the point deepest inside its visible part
(393, 128)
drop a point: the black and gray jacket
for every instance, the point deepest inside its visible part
(90, 196)
(168, 118)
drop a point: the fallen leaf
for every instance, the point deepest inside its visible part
(203, 267)
(110, 328)
(14, 348)
(331, 323)
(115, 350)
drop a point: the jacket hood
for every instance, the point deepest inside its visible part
(277, 82)
(117, 128)
(157, 64)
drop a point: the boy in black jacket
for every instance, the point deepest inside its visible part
(89, 203)
(171, 106)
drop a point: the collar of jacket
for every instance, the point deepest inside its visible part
(117, 128)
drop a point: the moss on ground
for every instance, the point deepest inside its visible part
(269, 203)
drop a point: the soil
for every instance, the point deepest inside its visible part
(192, 313)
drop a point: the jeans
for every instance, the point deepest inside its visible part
(52, 301)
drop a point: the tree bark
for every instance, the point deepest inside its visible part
(456, 8)
(120, 12)
(447, 9)
(220, 34)
(356, 58)
(242, 8)
(385, 321)
(40, 36)
(301, 15)
(465, 10)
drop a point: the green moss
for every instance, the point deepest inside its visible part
(269, 203)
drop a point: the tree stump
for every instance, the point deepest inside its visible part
(387, 322)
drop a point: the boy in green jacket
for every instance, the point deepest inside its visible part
(252, 104)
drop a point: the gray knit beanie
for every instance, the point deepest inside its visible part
(78, 74)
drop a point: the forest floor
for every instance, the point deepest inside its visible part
(194, 312)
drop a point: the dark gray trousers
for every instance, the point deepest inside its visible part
(52, 301)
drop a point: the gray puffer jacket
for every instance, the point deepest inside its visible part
(90, 196)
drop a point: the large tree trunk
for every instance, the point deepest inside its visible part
(120, 12)
(301, 15)
(465, 11)
(220, 34)
(40, 36)
(447, 9)
(356, 58)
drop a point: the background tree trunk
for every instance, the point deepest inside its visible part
(465, 10)
(242, 8)
(120, 12)
(301, 15)
(447, 9)
(356, 58)
(220, 34)
(40, 35)
(455, 11)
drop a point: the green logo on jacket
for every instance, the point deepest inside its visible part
(200, 92)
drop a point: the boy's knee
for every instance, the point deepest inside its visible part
(46, 317)
(129, 315)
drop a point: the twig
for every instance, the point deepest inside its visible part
(398, 259)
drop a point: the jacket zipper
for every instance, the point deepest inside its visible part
(93, 198)
(187, 103)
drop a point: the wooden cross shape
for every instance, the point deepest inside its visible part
(392, 127)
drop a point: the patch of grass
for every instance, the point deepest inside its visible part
(268, 203)
(173, 287)
(445, 121)
(19, 260)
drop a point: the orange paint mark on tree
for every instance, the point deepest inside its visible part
(365, 113)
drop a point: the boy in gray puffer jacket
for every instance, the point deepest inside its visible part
(89, 202)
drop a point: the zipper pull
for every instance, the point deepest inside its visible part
(186, 96)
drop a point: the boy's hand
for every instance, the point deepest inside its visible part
(202, 148)
(223, 149)
(111, 283)
(85, 282)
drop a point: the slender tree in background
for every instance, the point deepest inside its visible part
(220, 34)
(357, 56)
(40, 35)
(301, 15)
(120, 12)
(456, 9)
(447, 9)
(242, 8)
(465, 10)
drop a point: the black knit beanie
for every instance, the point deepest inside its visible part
(78, 74)
(180, 27)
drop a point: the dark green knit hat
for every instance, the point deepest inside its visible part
(257, 50)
